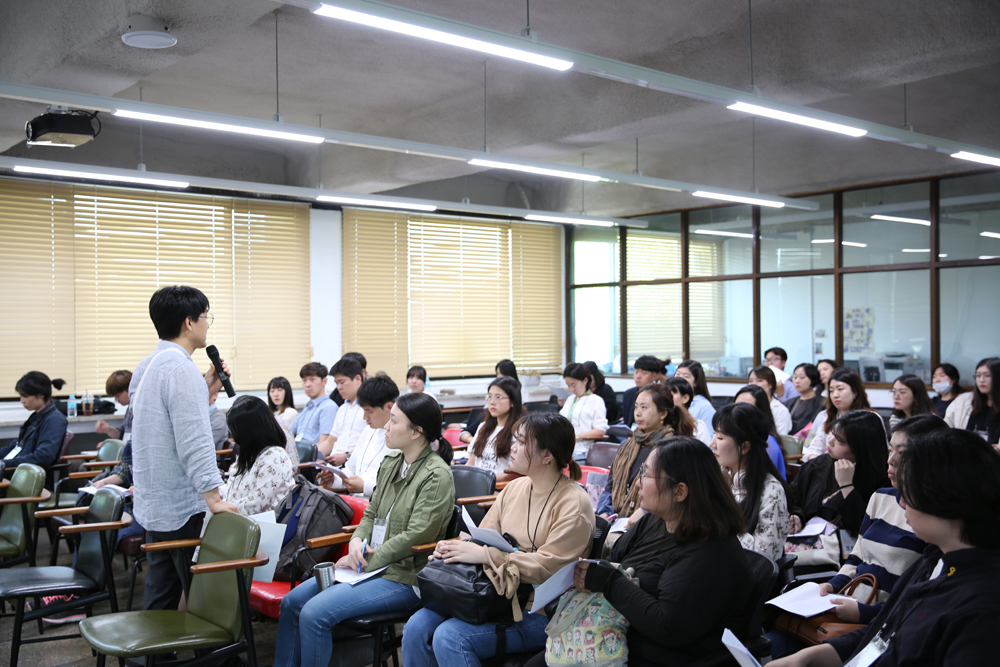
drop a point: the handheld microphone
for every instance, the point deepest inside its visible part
(213, 354)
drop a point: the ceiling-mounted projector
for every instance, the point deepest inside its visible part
(68, 128)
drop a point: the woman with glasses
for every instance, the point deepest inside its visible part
(846, 393)
(491, 448)
(909, 399)
(979, 410)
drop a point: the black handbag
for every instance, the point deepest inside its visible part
(463, 591)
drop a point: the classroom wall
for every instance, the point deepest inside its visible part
(325, 276)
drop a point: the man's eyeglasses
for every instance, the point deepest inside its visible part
(210, 317)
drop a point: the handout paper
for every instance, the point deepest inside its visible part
(554, 586)
(739, 651)
(272, 534)
(815, 526)
(806, 600)
(346, 575)
(326, 466)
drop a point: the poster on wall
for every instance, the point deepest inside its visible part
(859, 326)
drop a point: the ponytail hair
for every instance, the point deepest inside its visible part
(424, 413)
(37, 383)
(552, 432)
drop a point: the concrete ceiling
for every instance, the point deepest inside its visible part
(850, 57)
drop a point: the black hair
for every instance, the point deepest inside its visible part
(313, 368)
(377, 390)
(919, 425)
(281, 383)
(815, 380)
(678, 419)
(170, 306)
(980, 402)
(682, 386)
(852, 379)
(595, 373)
(954, 376)
(358, 357)
(700, 384)
(349, 368)
(424, 413)
(506, 368)
(550, 431)
(501, 445)
(649, 363)
(417, 371)
(766, 374)
(37, 383)
(778, 351)
(922, 404)
(829, 362)
(762, 403)
(747, 423)
(864, 433)
(710, 510)
(579, 372)
(253, 427)
(954, 474)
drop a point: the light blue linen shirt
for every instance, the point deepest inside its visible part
(701, 408)
(316, 419)
(173, 452)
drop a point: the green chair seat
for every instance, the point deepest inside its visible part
(64, 500)
(7, 548)
(44, 581)
(138, 633)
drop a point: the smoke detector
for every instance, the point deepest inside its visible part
(148, 32)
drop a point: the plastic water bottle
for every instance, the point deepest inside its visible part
(71, 406)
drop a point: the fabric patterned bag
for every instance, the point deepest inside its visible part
(587, 629)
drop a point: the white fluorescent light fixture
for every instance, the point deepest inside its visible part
(716, 232)
(917, 250)
(822, 241)
(942, 255)
(854, 245)
(795, 118)
(381, 203)
(737, 198)
(441, 37)
(90, 175)
(593, 222)
(976, 157)
(221, 127)
(894, 218)
(992, 235)
(989, 257)
(534, 170)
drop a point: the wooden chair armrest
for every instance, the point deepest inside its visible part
(101, 464)
(307, 465)
(45, 495)
(223, 452)
(170, 544)
(349, 529)
(485, 506)
(793, 457)
(500, 485)
(423, 548)
(78, 457)
(227, 565)
(84, 474)
(472, 500)
(65, 511)
(4, 483)
(329, 540)
(93, 527)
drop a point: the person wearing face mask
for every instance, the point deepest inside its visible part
(809, 403)
(846, 393)
(979, 409)
(584, 409)
(909, 398)
(946, 384)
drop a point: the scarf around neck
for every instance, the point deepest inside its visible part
(625, 496)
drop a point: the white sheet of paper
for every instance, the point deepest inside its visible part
(806, 600)
(272, 534)
(815, 526)
(554, 586)
(92, 490)
(469, 523)
(739, 651)
(779, 374)
(490, 537)
(326, 466)
(620, 525)
(560, 392)
(346, 575)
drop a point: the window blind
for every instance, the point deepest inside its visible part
(655, 321)
(706, 302)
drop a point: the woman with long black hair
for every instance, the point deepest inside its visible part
(491, 448)
(701, 405)
(262, 474)
(979, 409)
(754, 395)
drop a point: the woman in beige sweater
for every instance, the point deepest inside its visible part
(548, 517)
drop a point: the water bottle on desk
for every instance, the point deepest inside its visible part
(71, 406)
(88, 403)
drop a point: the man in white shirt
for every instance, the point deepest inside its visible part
(349, 422)
(776, 358)
(376, 396)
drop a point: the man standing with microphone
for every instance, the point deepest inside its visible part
(173, 452)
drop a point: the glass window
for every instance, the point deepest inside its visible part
(597, 327)
(797, 314)
(970, 319)
(595, 255)
(721, 241)
(887, 324)
(787, 235)
(720, 316)
(887, 225)
(970, 218)
(654, 253)
(655, 321)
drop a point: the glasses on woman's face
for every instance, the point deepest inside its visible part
(496, 398)
(644, 473)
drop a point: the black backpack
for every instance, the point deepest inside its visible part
(307, 511)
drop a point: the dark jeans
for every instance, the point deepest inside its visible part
(169, 571)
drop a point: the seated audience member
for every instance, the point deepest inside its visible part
(701, 405)
(647, 367)
(117, 388)
(558, 530)
(504, 369)
(846, 393)
(262, 474)
(809, 403)
(776, 357)
(740, 445)
(763, 377)
(491, 448)
(376, 396)
(220, 429)
(945, 609)
(584, 410)
(909, 398)
(416, 379)
(946, 384)
(656, 419)
(757, 397)
(358, 357)
(838, 485)
(281, 401)
(412, 504)
(695, 585)
(349, 422)
(315, 421)
(826, 367)
(661, 375)
(683, 394)
(41, 435)
(979, 410)
(121, 475)
(602, 389)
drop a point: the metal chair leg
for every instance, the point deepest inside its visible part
(15, 640)
(38, 605)
(131, 583)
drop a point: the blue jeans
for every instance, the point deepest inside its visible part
(308, 616)
(431, 640)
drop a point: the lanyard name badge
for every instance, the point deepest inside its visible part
(380, 526)
(876, 647)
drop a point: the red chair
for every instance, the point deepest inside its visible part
(589, 469)
(266, 598)
(452, 436)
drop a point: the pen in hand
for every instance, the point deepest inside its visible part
(364, 544)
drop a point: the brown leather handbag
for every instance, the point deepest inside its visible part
(815, 630)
